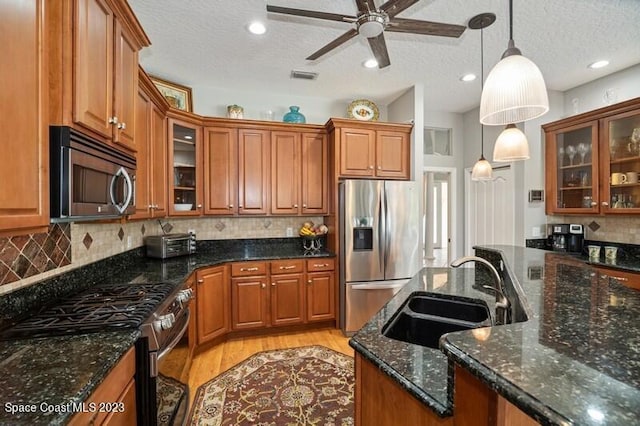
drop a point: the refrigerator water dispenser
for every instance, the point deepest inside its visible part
(362, 239)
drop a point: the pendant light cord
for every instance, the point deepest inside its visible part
(510, 19)
(481, 88)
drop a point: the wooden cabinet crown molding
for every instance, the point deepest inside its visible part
(130, 22)
(334, 123)
(145, 83)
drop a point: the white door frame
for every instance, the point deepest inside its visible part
(453, 205)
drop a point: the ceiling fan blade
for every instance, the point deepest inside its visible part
(401, 25)
(379, 48)
(310, 14)
(335, 43)
(393, 7)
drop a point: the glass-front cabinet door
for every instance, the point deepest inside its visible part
(185, 181)
(621, 163)
(572, 160)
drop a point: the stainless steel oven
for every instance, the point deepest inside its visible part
(89, 180)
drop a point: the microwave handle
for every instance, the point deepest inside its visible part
(129, 189)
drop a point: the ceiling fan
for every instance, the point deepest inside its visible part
(372, 22)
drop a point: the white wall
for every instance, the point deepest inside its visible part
(213, 101)
(617, 87)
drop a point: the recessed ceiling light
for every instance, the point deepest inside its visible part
(598, 64)
(370, 63)
(468, 77)
(257, 28)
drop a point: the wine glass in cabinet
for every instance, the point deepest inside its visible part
(185, 160)
(572, 168)
(621, 163)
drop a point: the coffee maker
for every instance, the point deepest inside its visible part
(567, 237)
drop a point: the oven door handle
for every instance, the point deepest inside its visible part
(176, 339)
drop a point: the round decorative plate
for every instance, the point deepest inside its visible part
(363, 109)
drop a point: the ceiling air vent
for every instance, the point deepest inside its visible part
(304, 75)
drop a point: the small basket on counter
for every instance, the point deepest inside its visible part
(312, 237)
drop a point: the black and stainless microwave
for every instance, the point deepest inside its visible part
(88, 179)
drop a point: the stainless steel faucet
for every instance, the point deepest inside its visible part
(502, 303)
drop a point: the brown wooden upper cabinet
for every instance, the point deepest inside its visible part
(254, 164)
(220, 170)
(96, 89)
(24, 174)
(185, 158)
(151, 156)
(371, 150)
(299, 179)
(593, 160)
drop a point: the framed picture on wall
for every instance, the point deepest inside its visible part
(178, 96)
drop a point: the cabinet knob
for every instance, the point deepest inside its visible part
(304, 206)
(199, 206)
(295, 206)
(239, 206)
(379, 167)
(273, 284)
(309, 281)
(230, 206)
(593, 204)
(604, 203)
(122, 126)
(371, 167)
(263, 285)
(113, 120)
(200, 281)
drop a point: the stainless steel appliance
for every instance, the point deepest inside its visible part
(159, 310)
(567, 237)
(380, 247)
(88, 179)
(170, 245)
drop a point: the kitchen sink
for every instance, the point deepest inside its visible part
(422, 319)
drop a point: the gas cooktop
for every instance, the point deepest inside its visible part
(103, 307)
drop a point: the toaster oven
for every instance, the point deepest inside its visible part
(170, 245)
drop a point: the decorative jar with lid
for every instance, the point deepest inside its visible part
(294, 116)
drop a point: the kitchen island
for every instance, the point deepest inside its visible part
(573, 357)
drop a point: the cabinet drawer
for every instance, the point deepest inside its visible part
(243, 269)
(629, 279)
(287, 266)
(320, 264)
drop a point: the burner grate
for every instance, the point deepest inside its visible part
(101, 308)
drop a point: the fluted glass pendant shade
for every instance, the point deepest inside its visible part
(514, 92)
(511, 145)
(482, 170)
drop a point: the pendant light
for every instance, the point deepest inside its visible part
(515, 90)
(482, 169)
(511, 145)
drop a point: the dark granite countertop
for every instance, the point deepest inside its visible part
(574, 358)
(63, 370)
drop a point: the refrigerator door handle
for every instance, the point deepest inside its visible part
(387, 230)
(382, 257)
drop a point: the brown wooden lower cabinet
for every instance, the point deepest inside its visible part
(287, 299)
(320, 296)
(117, 388)
(250, 302)
(381, 401)
(212, 302)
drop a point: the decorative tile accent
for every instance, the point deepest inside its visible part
(220, 226)
(23, 256)
(87, 240)
(143, 229)
(167, 227)
(121, 234)
(594, 226)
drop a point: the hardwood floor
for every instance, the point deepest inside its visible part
(210, 363)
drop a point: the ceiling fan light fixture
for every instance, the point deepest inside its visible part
(511, 145)
(372, 24)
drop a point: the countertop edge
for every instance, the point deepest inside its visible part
(422, 396)
(515, 395)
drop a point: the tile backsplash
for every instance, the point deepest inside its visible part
(27, 259)
(615, 229)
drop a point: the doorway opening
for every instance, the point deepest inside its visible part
(439, 217)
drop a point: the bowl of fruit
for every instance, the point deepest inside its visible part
(309, 231)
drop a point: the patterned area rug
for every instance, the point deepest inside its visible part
(171, 394)
(311, 385)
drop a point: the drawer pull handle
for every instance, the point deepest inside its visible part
(200, 281)
(288, 267)
(249, 269)
(263, 285)
(320, 265)
(310, 282)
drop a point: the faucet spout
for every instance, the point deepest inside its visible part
(502, 303)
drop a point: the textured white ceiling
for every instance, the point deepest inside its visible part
(205, 43)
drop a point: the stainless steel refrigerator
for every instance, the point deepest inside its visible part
(380, 248)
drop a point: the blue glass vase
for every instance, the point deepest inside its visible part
(293, 116)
